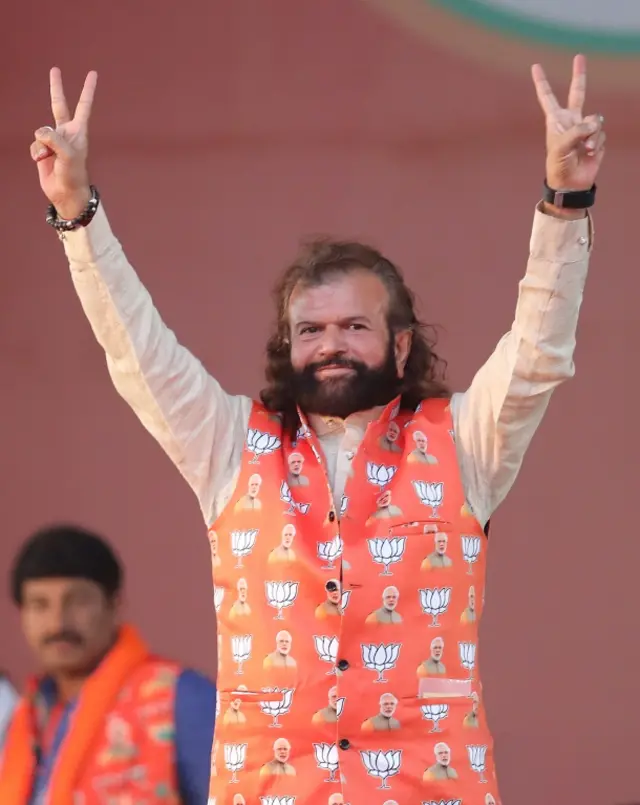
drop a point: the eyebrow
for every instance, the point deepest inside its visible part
(347, 320)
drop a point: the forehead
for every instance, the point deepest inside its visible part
(58, 588)
(355, 294)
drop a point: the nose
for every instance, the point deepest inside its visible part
(332, 342)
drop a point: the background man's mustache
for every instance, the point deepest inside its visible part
(63, 637)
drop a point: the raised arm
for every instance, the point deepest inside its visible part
(498, 415)
(198, 425)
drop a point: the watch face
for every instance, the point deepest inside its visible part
(606, 26)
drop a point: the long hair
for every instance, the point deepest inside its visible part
(318, 261)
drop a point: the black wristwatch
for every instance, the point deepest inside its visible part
(569, 199)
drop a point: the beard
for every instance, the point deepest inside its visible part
(367, 387)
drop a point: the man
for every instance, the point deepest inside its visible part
(240, 607)
(441, 769)
(330, 607)
(280, 765)
(387, 613)
(284, 552)
(328, 714)
(434, 666)
(384, 720)
(106, 719)
(438, 558)
(348, 357)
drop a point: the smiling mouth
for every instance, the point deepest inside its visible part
(334, 371)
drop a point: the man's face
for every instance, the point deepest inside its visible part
(341, 352)
(441, 544)
(333, 698)
(254, 487)
(393, 432)
(281, 751)
(68, 623)
(213, 541)
(288, 533)
(443, 755)
(242, 591)
(284, 643)
(421, 442)
(295, 463)
(436, 650)
(384, 501)
(387, 706)
(333, 592)
(390, 599)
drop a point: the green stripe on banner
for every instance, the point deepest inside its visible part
(524, 26)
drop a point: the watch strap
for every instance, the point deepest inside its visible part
(570, 199)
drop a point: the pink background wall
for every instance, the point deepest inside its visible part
(221, 135)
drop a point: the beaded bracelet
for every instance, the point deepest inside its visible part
(62, 226)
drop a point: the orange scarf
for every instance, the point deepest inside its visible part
(97, 698)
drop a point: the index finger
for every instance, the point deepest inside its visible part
(59, 106)
(546, 98)
(578, 88)
(83, 109)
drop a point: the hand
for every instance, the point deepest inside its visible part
(61, 155)
(575, 144)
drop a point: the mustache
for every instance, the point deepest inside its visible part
(335, 360)
(63, 637)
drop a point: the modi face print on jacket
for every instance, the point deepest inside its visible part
(420, 454)
(251, 500)
(284, 552)
(438, 558)
(280, 764)
(331, 606)
(387, 613)
(384, 720)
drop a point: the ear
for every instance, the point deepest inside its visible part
(402, 348)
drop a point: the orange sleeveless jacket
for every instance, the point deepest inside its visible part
(119, 748)
(348, 666)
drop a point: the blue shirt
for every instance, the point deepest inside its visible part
(195, 713)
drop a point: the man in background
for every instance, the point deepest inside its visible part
(105, 715)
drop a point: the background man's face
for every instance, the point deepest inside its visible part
(254, 487)
(242, 591)
(436, 649)
(341, 351)
(387, 706)
(284, 643)
(68, 623)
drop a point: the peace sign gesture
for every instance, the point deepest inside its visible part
(61, 154)
(575, 144)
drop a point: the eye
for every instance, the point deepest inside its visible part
(309, 330)
(357, 326)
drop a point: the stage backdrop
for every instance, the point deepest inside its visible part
(222, 133)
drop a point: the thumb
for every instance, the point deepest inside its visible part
(586, 130)
(47, 138)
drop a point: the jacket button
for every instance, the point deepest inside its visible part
(332, 516)
(344, 743)
(343, 665)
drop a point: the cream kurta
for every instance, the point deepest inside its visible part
(202, 428)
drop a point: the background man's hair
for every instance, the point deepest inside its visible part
(66, 551)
